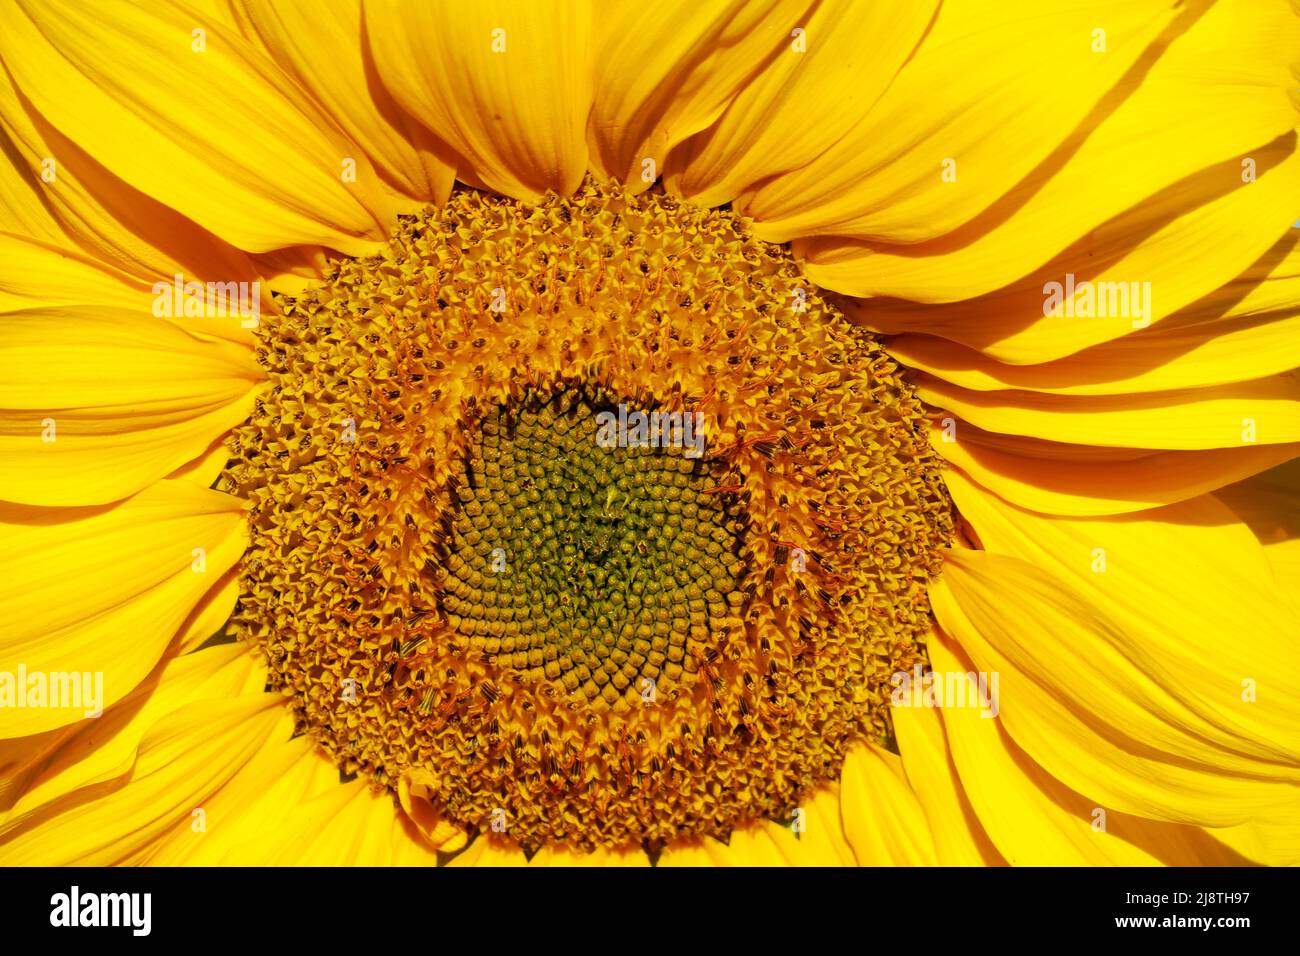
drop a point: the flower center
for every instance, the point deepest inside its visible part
(593, 515)
(610, 567)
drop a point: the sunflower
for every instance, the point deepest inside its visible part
(786, 432)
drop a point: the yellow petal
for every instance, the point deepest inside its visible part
(695, 853)
(1186, 357)
(23, 212)
(990, 88)
(96, 403)
(208, 619)
(883, 819)
(759, 844)
(1269, 504)
(287, 807)
(54, 766)
(959, 837)
(1248, 328)
(36, 275)
(205, 469)
(558, 856)
(86, 208)
(666, 71)
(101, 592)
(506, 85)
(1133, 273)
(182, 760)
(1273, 841)
(262, 807)
(753, 845)
(1035, 820)
(321, 46)
(822, 841)
(414, 790)
(1091, 703)
(1055, 479)
(218, 133)
(1270, 288)
(486, 852)
(293, 270)
(811, 93)
(1265, 411)
(1220, 90)
(40, 276)
(1207, 627)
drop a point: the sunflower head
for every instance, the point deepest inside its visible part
(593, 511)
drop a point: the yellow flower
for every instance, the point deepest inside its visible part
(693, 433)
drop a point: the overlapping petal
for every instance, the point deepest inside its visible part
(506, 85)
(76, 581)
(665, 72)
(972, 96)
(1083, 480)
(182, 109)
(821, 83)
(1219, 86)
(96, 403)
(1263, 411)
(1035, 820)
(322, 46)
(1111, 710)
(1141, 268)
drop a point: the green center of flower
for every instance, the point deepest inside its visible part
(592, 545)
